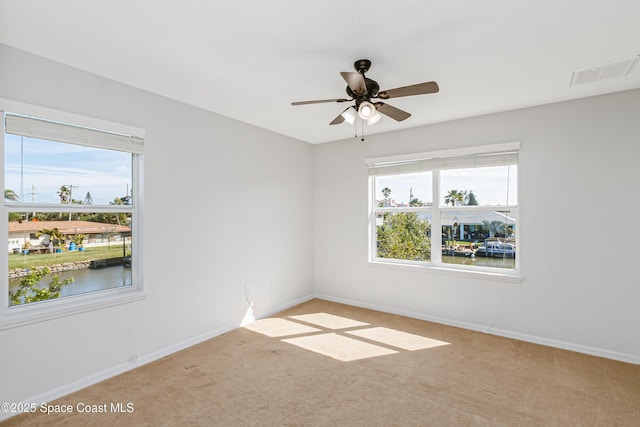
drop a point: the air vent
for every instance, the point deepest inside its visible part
(603, 71)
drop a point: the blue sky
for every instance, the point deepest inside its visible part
(491, 185)
(49, 165)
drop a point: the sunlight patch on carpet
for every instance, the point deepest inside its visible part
(329, 321)
(275, 327)
(339, 347)
(392, 337)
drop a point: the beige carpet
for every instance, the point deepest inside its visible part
(327, 364)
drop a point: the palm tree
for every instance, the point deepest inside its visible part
(454, 197)
(11, 195)
(64, 193)
(386, 191)
(54, 234)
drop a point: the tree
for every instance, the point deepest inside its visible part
(120, 218)
(28, 291)
(88, 200)
(455, 197)
(11, 195)
(494, 227)
(64, 193)
(386, 192)
(471, 199)
(54, 234)
(404, 235)
(126, 200)
(78, 239)
(416, 202)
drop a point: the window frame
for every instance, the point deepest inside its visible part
(430, 162)
(20, 315)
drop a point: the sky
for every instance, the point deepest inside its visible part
(46, 166)
(492, 186)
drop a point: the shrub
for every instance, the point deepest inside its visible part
(28, 291)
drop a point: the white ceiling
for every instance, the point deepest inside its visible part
(249, 59)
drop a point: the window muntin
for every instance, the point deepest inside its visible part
(82, 183)
(472, 219)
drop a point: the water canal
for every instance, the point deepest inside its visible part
(88, 280)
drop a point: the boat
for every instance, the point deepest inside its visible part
(496, 249)
(458, 251)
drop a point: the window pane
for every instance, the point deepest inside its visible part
(89, 254)
(404, 235)
(479, 238)
(489, 186)
(39, 171)
(412, 189)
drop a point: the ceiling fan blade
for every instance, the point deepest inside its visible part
(320, 101)
(417, 89)
(355, 82)
(393, 112)
(337, 120)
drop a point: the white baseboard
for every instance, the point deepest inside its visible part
(148, 358)
(579, 348)
(593, 351)
(90, 380)
(285, 306)
(117, 370)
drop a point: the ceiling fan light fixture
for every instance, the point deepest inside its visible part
(349, 115)
(374, 119)
(362, 90)
(366, 110)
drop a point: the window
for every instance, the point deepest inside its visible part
(72, 209)
(454, 209)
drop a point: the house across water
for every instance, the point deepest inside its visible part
(28, 233)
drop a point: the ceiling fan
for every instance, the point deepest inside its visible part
(363, 90)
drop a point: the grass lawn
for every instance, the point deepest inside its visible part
(33, 260)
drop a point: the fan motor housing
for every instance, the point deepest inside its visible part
(372, 90)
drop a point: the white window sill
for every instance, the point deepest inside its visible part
(510, 277)
(15, 317)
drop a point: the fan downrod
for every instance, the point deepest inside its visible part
(362, 66)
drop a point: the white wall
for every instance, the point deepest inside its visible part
(244, 191)
(256, 196)
(578, 197)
